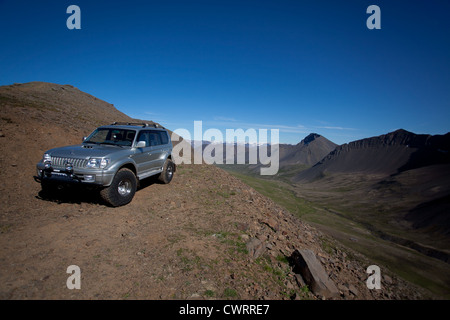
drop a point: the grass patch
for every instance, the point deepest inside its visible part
(230, 293)
(282, 258)
(209, 293)
(278, 271)
(234, 242)
(327, 246)
(187, 260)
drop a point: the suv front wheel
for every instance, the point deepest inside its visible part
(122, 189)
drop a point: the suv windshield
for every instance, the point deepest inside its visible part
(119, 137)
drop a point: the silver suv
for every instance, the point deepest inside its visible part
(114, 157)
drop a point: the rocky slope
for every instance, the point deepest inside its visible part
(206, 235)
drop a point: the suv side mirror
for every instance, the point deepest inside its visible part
(141, 144)
(84, 139)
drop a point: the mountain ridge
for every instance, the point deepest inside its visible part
(309, 138)
(389, 153)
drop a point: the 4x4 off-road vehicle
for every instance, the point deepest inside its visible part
(114, 157)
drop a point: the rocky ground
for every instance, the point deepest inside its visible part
(205, 235)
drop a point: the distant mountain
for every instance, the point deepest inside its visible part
(387, 154)
(309, 151)
(291, 157)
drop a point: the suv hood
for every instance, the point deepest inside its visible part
(84, 151)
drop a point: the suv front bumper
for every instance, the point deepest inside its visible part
(98, 177)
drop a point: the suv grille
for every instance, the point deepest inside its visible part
(61, 162)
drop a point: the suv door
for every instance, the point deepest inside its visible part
(158, 148)
(142, 156)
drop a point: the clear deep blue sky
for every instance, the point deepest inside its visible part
(300, 66)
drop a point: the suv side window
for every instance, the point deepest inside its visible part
(164, 137)
(154, 138)
(143, 136)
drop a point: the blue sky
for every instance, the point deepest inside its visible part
(299, 66)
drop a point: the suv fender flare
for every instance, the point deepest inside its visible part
(128, 163)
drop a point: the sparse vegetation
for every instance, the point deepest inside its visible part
(230, 293)
(209, 293)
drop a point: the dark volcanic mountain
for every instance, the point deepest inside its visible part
(387, 154)
(309, 151)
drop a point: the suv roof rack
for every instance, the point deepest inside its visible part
(143, 124)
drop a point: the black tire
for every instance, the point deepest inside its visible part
(122, 189)
(168, 170)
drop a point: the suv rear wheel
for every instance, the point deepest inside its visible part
(122, 189)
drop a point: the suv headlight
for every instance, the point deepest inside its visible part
(46, 158)
(97, 163)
